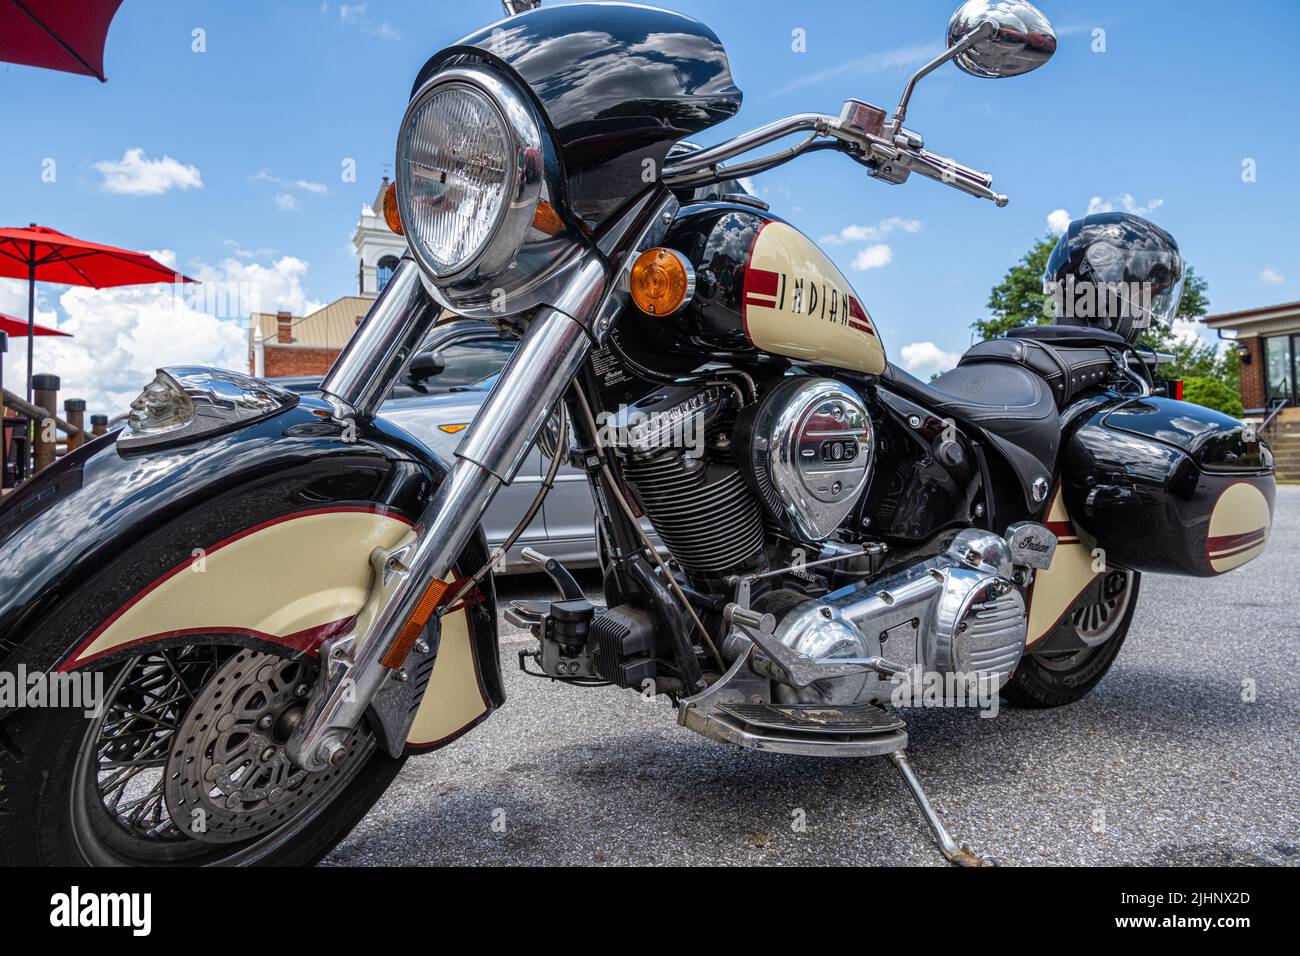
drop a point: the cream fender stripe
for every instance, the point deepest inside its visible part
(455, 700)
(1239, 526)
(294, 580)
(288, 580)
(1055, 589)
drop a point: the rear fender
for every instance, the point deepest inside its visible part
(261, 536)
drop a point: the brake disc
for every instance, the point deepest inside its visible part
(228, 776)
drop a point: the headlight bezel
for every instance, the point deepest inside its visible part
(526, 175)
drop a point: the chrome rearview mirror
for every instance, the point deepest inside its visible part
(988, 38)
(1022, 38)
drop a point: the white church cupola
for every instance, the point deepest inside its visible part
(378, 247)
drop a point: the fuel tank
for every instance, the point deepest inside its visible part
(762, 286)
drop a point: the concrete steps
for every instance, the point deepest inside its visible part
(1285, 445)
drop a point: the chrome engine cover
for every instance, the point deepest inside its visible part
(954, 613)
(808, 450)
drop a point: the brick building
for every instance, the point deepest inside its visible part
(1269, 343)
(280, 343)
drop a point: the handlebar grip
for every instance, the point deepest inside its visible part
(952, 173)
(959, 169)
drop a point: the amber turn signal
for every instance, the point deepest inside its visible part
(391, 215)
(662, 281)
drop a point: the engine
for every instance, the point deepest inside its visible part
(956, 613)
(675, 444)
(712, 476)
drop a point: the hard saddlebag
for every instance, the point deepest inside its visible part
(1170, 486)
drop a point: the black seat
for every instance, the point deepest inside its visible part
(1011, 405)
(1070, 336)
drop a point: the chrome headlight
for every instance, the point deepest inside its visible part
(469, 173)
(189, 401)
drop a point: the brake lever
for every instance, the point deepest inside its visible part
(558, 573)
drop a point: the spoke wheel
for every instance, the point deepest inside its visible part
(183, 767)
(1097, 623)
(1051, 679)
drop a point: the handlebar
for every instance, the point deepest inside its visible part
(891, 151)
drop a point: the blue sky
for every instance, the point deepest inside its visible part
(243, 148)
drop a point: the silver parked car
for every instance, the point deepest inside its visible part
(441, 393)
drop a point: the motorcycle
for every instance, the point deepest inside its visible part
(284, 596)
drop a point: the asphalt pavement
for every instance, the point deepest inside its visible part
(1187, 753)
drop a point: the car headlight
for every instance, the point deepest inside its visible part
(469, 173)
(187, 402)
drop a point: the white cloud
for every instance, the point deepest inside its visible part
(13, 301)
(286, 201)
(1187, 332)
(1271, 276)
(136, 175)
(383, 29)
(1058, 220)
(265, 175)
(873, 233)
(902, 57)
(873, 257)
(923, 359)
(261, 252)
(355, 14)
(1125, 202)
(122, 335)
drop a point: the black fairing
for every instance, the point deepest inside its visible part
(619, 85)
(86, 534)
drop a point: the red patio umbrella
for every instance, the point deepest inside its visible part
(65, 35)
(37, 253)
(17, 328)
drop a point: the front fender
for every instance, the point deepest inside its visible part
(259, 536)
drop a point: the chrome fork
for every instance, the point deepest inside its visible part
(355, 665)
(549, 355)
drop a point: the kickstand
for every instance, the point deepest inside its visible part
(956, 855)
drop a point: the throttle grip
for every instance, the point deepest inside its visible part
(952, 173)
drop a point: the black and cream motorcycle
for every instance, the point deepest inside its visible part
(285, 596)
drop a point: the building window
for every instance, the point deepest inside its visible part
(384, 271)
(1279, 368)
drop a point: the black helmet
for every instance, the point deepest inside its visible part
(1114, 271)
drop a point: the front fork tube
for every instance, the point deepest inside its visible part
(549, 356)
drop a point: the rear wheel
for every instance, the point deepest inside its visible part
(184, 764)
(1055, 678)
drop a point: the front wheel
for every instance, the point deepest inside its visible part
(183, 765)
(1053, 679)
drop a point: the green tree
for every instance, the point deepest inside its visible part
(1213, 393)
(1019, 299)
(1193, 358)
